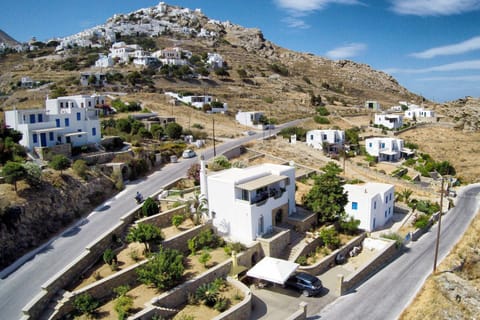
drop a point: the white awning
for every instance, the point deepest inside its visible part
(390, 153)
(46, 130)
(273, 270)
(75, 133)
(261, 182)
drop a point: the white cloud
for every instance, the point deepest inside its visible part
(295, 22)
(458, 78)
(301, 8)
(434, 7)
(457, 48)
(456, 66)
(348, 51)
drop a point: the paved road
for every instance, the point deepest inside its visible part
(20, 286)
(390, 291)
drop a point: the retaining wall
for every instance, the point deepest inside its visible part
(301, 313)
(380, 260)
(325, 264)
(275, 246)
(415, 235)
(163, 219)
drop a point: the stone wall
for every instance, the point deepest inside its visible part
(415, 235)
(303, 225)
(325, 264)
(163, 219)
(234, 152)
(301, 313)
(378, 262)
(275, 245)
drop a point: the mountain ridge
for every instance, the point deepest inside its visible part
(7, 39)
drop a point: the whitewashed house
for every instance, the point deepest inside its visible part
(246, 203)
(390, 121)
(385, 149)
(371, 203)
(250, 119)
(420, 114)
(27, 82)
(123, 52)
(100, 79)
(372, 105)
(172, 56)
(198, 101)
(104, 61)
(214, 60)
(72, 119)
(333, 139)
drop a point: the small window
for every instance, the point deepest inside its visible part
(51, 136)
(32, 118)
(382, 145)
(374, 205)
(67, 122)
(40, 117)
(57, 122)
(389, 210)
(94, 131)
(354, 205)
(35, 138)
(370, 144)
(385, 213)
(79, 116)
(390, 197)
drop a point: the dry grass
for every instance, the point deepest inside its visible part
(431, 302)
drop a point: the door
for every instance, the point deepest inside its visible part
(43, 139)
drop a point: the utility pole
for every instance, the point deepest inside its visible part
(438, 230)
(213, 129)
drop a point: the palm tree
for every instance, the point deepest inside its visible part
(198, 207)
(406, 193)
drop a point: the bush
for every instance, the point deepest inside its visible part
(222, 304)
(322, 111)
(123, 304)
(393, 236)
(109, 257)
(150, 207)
(302, 260)
(300, 132)
(80, 167)
(204, 258)
(164, 270)
(59, 162)
(421, 222)
(235, 246)
(85, 304)
(177, 220)
(330, 238)
(349, 226)
(208, 294)
(321, 120)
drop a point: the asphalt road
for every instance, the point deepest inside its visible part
(386, 294)
(21, 284)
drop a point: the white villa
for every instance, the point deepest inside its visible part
(198, 101)
(386, 149)
(123, 51)
(172, 56)
(104, 61)
(250, 118)
(390, 121)
(215, 60)
(334, 138)
(246, 203)
(72, 119)
(419, 114)
(100, 79)
(371, 203)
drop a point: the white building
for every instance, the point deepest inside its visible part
(246, 203)
(386, 149)
(145, 61)
(419, 114)
(172, 56)
(215, 60)
(390, 121)
(100, 79)
(123, 52)
(72, 119)
(250, 118)
(371, 203)
(198, 101)
(334, 138)
(104, 61)
(373, 105)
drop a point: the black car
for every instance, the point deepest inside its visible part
(306, 283)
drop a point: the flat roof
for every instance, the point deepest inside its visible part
(261, 182)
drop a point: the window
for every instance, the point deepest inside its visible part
(390, 197)
(385, 213)
(370, 144)
(382, 145)
(94, 131)
(374, 205)
(57, 122)
(311, 137)
(389, 210)
(61, 104)
(245, 195)
(67, 122)
(35, 138)
(89, 103)
(51, 136)
(79, 116)
(32, 118)
(354, 205)
(324, 137)
(40, 117)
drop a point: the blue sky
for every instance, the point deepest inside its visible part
(432, 47)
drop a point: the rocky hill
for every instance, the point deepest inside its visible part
(465, 113)
(262, 75)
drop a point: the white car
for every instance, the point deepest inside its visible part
(189, 153)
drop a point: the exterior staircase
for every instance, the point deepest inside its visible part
(296, 244)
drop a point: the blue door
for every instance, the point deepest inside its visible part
(43, 139)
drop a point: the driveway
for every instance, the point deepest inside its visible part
(276, 302)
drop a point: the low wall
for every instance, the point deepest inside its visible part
(301, 313)
(242, 310)
(380, 260)
(304, 224)
(163, 219)
(415, 235)
(324, 264)
(275, 246)
(180, 241)
(234, 152)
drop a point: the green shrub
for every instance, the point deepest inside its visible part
(302, 260)
(123, 305)
(422, 221)
(321, 120)
(85, 304)
(322, 111)
(109, 257)
(163, 270)
(349, 226)
(393, 236)
(208, 294)
(222, 304)
(150, 207)
(204, 258)
(330, 238)
(177, 220)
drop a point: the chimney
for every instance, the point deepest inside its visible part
(203, 178)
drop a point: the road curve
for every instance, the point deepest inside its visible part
(386, 294)
(22, 282)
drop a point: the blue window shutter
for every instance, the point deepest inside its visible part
(35, 138)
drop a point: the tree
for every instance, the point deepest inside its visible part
(33, 174)
(406, 193)
(85, 304)
(194, 173)
(204, 258)
(150, 207)
(58, 92)
(123, 125)
(173, 130)
(352, 135)
(208, 293)
(157, 131)
(59, 162)
(109, 257)
(198, 207)
(146, 234)
(327, 197)
(164, 270)
(330, 238)
(349, 226)
(13, 172)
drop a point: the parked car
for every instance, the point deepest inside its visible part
(189, 153)
(306, 283)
